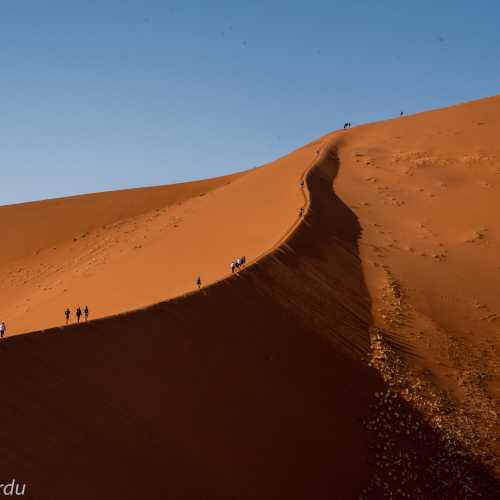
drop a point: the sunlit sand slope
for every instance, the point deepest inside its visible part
(426, 190)
(288, 380)
(119, 251)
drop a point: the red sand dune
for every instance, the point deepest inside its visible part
(124, 250)
(272, 383)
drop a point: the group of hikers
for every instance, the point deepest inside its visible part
(78, 313)
(236, 264)
(67, 314)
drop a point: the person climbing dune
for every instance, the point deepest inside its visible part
(3, 329)
(86, 313)
(78, 314)
(198, 282)
(67, 314)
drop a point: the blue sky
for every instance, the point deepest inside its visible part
(107, 94)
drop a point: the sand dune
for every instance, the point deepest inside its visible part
(124, 250)
(426, 191)
(304, 376)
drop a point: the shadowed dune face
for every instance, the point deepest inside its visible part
(323, 265)
(259, 394)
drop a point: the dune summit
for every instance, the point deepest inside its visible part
(355, 356)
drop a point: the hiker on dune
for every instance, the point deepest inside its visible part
(78, 314)
(233, 265)
(198, 282)
(67, 314)
(3, 329)
(86, 312)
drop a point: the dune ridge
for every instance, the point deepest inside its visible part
(149, 248)
(267, 384)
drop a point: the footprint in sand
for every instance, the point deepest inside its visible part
(440, 256)
(484, 184)
(477, 236)
(491, 317)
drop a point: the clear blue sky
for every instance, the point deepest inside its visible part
(105, 94)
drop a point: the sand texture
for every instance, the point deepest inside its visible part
(356, 355)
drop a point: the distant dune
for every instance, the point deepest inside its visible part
(356, 355)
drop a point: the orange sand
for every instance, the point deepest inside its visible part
(262, 385)
(119, 251)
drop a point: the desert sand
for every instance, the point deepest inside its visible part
(426, 190)
(119, 251)
(356, 354)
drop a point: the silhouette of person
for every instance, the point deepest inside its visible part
(78, 314)
(233, 265)
(301, 212)
(3, 329)
(67, 313)
(401, 114)
(198, 282)
(86, 312)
